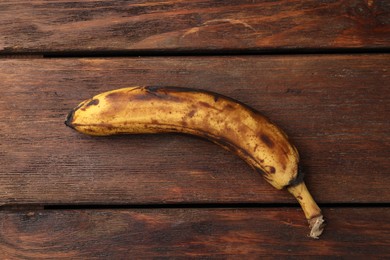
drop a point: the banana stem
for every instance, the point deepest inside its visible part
(310, 208)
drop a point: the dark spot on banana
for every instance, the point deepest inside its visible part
(298, 179)
(271, 169)
(216, 97)
(154, 121)
(283, 166)
(268, 142)
(242, 129)
(204, 104)
(299, 197)
(191, 113)
(93, 102)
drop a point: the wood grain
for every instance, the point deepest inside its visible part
(188, 233)
(107, 25)
(335, 109)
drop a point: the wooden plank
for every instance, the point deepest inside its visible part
(335, 109)
(217, 233)
(54, 26)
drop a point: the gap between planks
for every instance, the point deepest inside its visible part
(27, 207)
(200, 52)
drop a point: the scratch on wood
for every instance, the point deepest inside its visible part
(231, 21)
(191, 31)
(214, 21)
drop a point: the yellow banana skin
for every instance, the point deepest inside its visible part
(220, 119)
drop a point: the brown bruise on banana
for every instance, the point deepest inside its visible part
(265, 138)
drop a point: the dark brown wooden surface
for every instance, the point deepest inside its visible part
(188, 233)
(66, 195)
(334, 108)
(55, 26)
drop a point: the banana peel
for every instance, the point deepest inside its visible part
(220, 119)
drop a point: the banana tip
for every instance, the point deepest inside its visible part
(317, 225)
(69, 119)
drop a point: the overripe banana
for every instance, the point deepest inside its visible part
(218, 118)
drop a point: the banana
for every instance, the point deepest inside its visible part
(220, 119)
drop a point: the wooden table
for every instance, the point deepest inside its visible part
(319, 69)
